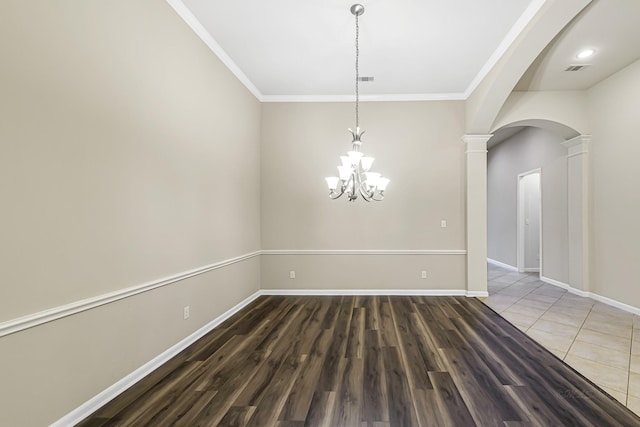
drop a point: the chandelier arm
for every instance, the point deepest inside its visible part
(333, 195)
(355, 184)
(369, 196)
(379, 198)
(366, 195)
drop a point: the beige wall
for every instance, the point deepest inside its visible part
(614, 152)
(121, 134)
(373, 272)
(416, 144)
(530, 149)
(129, 153)
(563, 112)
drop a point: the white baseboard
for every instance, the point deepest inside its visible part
(614, 303)
(501, 264)
(555, 283)
(104, 397)
(477, 294)
(394, 292)
(95, 403)
(532, 270)
(565, 286)
(593, 296)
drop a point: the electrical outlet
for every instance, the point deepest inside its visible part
(186, 312)
(424, 274)
(292, 274)
(443, 223)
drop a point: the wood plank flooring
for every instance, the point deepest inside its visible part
(366, 361)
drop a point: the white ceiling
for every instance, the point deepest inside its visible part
(429, 49)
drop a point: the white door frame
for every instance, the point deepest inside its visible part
(521, 221)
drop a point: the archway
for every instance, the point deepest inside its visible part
(564, 221)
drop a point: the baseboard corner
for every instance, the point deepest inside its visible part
(477, 294)
(501, 264)
(110, 393)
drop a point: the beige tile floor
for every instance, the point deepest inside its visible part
(599, 341)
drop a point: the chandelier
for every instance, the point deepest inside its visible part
(355, 177)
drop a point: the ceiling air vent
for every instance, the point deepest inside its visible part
(365, 79)
(576, 67)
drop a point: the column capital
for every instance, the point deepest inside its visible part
(476, 143)
(577, 145)
(476, 138)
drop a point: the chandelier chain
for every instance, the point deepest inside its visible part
(357, 71)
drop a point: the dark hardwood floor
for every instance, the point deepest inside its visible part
(366, 362)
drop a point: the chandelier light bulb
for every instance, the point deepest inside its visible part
(366, 163)
(346, 161)
(345, 172)
(332, 182)
(382, 183)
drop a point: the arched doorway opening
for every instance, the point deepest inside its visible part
(558, 154)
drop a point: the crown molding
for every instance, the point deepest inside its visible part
(367, 98)
(189, 18)
(508, 40)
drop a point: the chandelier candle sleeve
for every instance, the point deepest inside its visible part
(355, 179)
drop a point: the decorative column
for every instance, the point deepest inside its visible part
(578, 211)
(476, 154)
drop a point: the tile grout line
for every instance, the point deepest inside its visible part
(576, 337)
(529, 293)
(591, 310)
(549, 308)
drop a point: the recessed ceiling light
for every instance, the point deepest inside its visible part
(586, 53)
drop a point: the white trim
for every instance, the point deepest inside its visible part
(593, 296)
(477, 294)
(55, 313)
(614, 303)
(189, 18)
(35, 319)
(532, 270)
(364, 252)
(520, 222)
(183, 11)
(555, 282)
(337, 292)
(102, 398)
(401, 97)
(110, 393)
(564, 286)
(576, 141)
(506, 43)
(472, 138)
(577, 154)
(501, 264)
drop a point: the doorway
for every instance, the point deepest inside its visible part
(529, 222)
